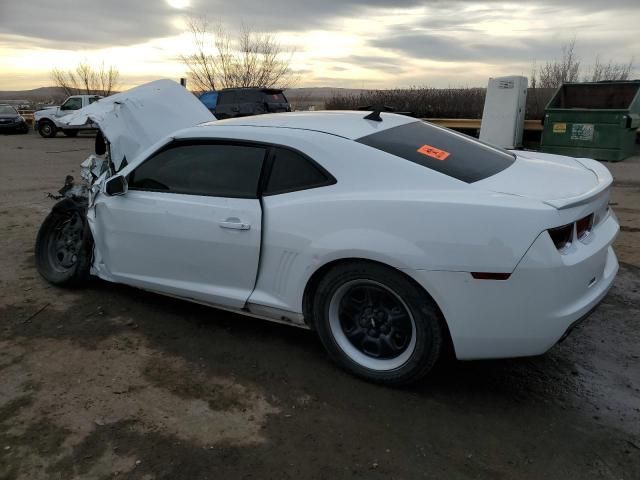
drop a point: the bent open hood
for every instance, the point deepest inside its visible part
(134, 120)
(556, 180)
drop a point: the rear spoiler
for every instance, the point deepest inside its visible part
(604, 182)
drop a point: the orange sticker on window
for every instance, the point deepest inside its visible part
(433, 152)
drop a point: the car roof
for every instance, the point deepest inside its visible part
(343, 123)
(255, 89)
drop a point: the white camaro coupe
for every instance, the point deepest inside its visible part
(392, 238)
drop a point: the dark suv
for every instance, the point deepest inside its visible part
(243, 102)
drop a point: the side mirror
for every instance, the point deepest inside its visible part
(116, 186)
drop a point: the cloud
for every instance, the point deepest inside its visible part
(68, 24)
(449, 48)
(502, 32)
(484, 48)
(375, 61)
(384, 41)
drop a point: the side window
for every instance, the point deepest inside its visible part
(291, 171)
(216, 170)
(72, 104)
(253, 96)
(226, 97)
(93, 99)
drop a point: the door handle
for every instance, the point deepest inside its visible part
(234, 224)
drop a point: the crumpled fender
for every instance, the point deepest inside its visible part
(70, 203)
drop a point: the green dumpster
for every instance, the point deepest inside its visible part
(594, 120)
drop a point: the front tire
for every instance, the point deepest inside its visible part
(64, 246)
(47, 129)
(377, 324)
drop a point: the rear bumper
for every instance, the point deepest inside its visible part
(531, 311)
(575, 324)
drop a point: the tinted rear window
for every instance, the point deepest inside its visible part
(240, 96)
(445, 151)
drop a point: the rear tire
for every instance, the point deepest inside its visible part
(70, 133)
(47, 129)
(377, 324)
(64, 246)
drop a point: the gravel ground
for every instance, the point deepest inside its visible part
(110, 380)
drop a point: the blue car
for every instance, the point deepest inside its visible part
(210, 99)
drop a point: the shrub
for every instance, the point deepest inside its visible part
(435, 102)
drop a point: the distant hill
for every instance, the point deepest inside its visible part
(299, 97)
(57, 92)
(41, 94)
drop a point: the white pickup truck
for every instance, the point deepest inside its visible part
(50, 120)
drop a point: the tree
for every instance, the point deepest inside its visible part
(555, 72)
(248, 59)
(87, 79)
(609, 71)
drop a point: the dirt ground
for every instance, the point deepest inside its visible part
(112, 381)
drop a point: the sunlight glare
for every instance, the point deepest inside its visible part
(179, 4)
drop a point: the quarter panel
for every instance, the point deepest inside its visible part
(409, 229)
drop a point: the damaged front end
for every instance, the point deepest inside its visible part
(93, 171)
(129, 123)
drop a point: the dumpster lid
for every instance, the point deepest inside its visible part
(610, 95)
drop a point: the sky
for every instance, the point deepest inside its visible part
(336, 43)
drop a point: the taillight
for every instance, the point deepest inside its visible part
(584, 226)
(561, 236)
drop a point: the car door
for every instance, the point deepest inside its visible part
(189, 224)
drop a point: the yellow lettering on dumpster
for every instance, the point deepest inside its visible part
(559, 127)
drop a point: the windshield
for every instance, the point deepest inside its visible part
(7, 109)
(446, 151)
